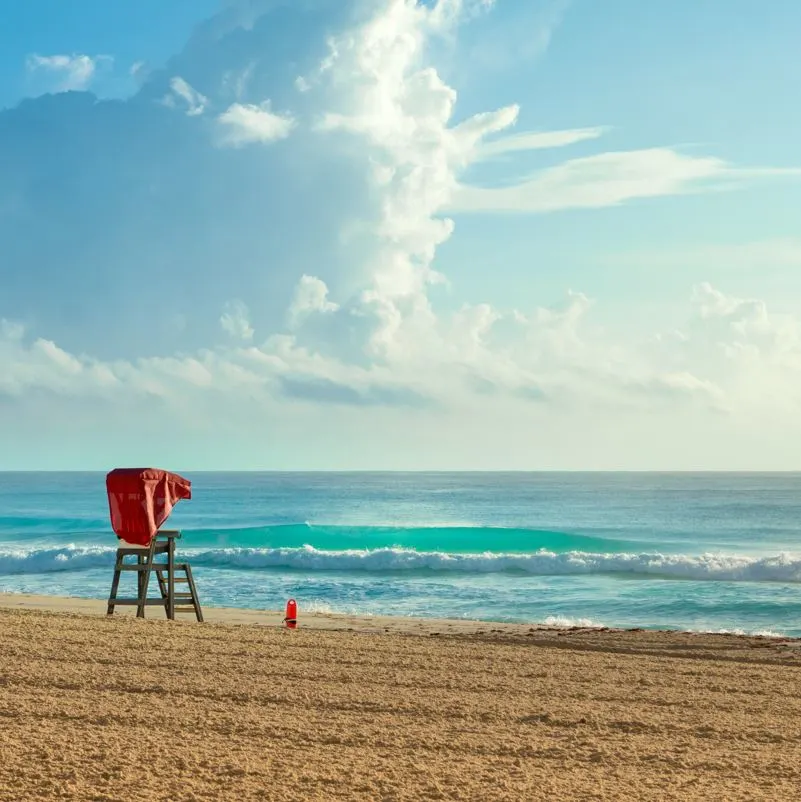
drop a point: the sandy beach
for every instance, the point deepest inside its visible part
(385, 709)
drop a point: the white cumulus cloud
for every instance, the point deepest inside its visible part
(247, 124)
(311, 295)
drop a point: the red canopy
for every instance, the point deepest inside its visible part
(141, 499)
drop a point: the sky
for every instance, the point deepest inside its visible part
(400, 235)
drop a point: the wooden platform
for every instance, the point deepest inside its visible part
(168, 574)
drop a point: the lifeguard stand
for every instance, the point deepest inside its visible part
(140, 501)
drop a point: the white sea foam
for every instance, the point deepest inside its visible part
(317, 606)
(757, 633)
(711, 566)
(46, 560)
(563, 622)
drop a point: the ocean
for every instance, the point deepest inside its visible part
(705, 552)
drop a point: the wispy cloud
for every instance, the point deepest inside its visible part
(235, 321)
(74, 71)
(194, 102)
(139, 71)
(612, 178)
(538, 140)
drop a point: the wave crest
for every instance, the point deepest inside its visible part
(710, 566)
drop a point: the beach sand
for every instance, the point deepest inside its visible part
(386, 709)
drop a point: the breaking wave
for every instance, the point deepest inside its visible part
(711, 566)
(462, 538)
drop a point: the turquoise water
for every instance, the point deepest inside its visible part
(703, 552)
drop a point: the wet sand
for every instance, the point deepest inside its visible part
(386, 709)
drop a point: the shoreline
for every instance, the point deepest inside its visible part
(654, 642)
(274, 618)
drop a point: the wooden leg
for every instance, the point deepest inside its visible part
(140, 581)
(144, 579)
(193, 590)
(171, 580)
(115, 583)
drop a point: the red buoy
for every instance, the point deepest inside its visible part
(291, 619)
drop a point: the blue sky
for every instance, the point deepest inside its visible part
(395, 234)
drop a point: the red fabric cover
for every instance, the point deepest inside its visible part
(141, 499)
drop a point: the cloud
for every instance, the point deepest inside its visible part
(743, 327)
(680, 386)
(399, 111)
(537, 140)
(550, 355)
(236, 82)
(374, 87)
(181, 91)
(732, 359)
(752, 356)
(126, 210)
(10, 330)
(333, 239)
(609, 179)
(235, 321)
(246, 124)
(311, 296)
(140, 71)
(42, 365)
(74, 72)
(321, 390)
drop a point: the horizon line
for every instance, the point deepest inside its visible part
(628, 471)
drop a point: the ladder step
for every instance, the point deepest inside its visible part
(148, 602)
(185, 610)
(163, 574)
